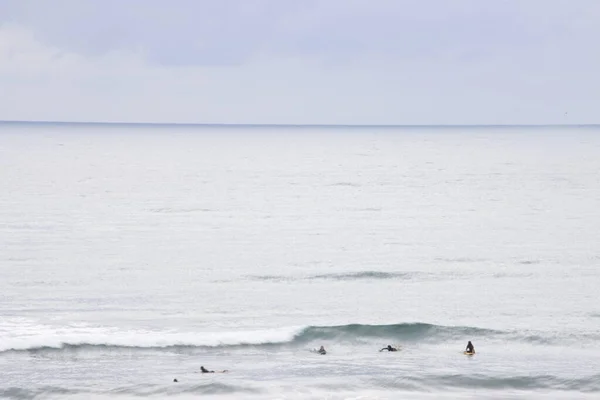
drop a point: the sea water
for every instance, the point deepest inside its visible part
(131, 255)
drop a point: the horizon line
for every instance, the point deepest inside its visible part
(290, 125)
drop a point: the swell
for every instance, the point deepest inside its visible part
(352, 333)
(364, 275)
(17, 393)
(404, 331)
(183, 388)
(413, 382)
(587, 384)
(351, 276)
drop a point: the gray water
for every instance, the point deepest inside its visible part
(131, 255)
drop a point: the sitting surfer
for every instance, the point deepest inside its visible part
(389, 348)
(205, 371)
(470, 348)
(322, 351)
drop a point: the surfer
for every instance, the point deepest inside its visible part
(389, 348)
(322, 351)
(470, 348)
(205, 371)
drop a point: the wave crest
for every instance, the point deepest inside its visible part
(285, 336)
(292, 336)
(403, 331)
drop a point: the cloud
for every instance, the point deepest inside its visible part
(184, 32)
(202, 32)
(382, 62)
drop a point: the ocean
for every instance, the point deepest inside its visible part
(132, 255)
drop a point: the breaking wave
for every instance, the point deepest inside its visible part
(294, 336)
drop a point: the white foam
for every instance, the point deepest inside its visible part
(23, 334)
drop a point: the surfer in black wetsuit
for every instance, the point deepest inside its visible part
(389, 348)
(470, 348)
(205, 371)
(322, 351)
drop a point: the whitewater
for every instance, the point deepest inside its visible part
(131, 255)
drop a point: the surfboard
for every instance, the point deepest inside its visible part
(213, 372)
(397, 347)
(469, 353)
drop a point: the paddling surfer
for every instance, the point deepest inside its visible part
(205, 371)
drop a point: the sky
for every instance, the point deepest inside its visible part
(389, 62)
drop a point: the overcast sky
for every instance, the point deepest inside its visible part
(301, 61)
